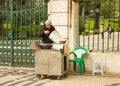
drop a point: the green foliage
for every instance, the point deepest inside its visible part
(30, 30)
(89, 24)
(106, 7)
(106, 11)
(82, 24)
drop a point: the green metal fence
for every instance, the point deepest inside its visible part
(94, 13)
(19, 25)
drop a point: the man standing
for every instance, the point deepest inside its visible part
(102, 30)
(110, 30)
(45, 32)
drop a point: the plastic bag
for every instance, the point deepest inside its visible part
(56, 37)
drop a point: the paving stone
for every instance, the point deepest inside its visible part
(26, 77)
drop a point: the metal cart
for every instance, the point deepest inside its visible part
(50, 62)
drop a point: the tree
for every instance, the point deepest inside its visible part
(95, 9)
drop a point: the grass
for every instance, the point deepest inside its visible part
(89, 24)
(6, 25)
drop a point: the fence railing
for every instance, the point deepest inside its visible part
(100, 25)
(19, 25)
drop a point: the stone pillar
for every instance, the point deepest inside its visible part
(64, 15)
(58, 14)
(73, 24)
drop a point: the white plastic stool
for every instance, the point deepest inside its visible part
(97, 70)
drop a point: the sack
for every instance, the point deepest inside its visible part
(55, 37)
(34, 45)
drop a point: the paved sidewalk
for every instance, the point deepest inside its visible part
(26, 77)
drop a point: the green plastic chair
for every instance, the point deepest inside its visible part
(79, 53)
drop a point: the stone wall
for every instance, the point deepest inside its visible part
(111, 62)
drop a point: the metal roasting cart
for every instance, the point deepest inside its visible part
(50, 62)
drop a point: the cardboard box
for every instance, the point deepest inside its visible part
(66, 49)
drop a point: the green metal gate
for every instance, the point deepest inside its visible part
(19, 25)
(93, 14)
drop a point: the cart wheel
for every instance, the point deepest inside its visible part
(38, 75)
(58, 77)
(42, 76)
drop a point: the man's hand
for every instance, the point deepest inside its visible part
(46, 32)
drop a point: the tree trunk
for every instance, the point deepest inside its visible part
(0, 26)
(96, 21)
(97, 15)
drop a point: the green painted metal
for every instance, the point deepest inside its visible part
(11, 31)
(19, 25)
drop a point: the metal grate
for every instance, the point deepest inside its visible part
(19, 25)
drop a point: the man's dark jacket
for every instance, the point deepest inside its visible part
(45, 38)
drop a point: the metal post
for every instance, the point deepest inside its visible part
(118, 28)
(11, 29)
(108, 40)
(114, 6)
